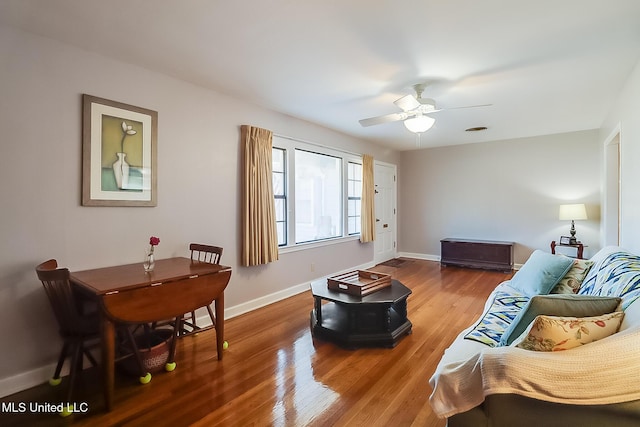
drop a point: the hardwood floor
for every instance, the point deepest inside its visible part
(275, 374)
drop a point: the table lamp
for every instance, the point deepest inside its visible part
(573, 212)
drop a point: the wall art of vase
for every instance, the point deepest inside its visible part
(121, 171)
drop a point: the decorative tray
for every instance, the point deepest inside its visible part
(359, 282)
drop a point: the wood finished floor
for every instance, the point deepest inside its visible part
(275, 374)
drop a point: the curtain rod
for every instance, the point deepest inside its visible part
(316, 144)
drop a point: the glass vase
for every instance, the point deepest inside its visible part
(149, 261)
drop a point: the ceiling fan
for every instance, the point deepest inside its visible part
(415, 110)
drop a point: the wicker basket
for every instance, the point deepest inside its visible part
(154, 347)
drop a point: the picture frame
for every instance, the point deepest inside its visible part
(565, 240)
(119, 153)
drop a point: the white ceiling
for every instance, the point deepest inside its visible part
(546, 66)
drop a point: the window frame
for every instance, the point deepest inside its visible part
(282, 196)
(289, 145)
(349, 198)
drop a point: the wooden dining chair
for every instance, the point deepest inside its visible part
(211, 255)
(79, 332)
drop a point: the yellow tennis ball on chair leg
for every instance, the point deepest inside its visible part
(65, 411)
(146, 379)
(225, 345)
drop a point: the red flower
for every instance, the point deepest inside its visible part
(153, 241)
(601, 323)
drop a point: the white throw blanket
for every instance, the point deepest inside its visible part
(601, 372)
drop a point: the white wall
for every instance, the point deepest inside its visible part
(41, 83)
(505, 190)
(625, 116)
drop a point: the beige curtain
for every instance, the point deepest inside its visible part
(260, 238)
(367, 210)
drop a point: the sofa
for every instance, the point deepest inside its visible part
(556, 345)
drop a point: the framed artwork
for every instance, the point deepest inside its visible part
(119, 154)
(565, 240)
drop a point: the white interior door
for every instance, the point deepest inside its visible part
(385, 206)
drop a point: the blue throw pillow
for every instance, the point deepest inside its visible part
(541, 273)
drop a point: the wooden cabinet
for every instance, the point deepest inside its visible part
(488, 254)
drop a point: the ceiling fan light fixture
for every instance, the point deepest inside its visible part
(419, 123)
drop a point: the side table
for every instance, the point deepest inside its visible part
(579, 247)
(378, 319)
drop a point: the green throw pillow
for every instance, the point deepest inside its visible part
(541, 273)
(563, 305)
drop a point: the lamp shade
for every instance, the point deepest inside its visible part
(573, 212)
(419, 123)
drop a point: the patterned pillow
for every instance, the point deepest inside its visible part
(504, 308)
(617, 275)
(570, 283)
(550, 333)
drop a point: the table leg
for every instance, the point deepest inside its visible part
(174, 341)
(108, 360)
(318, 306)
(219, 302)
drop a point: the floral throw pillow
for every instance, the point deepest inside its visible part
(550, 333)
(570, 283)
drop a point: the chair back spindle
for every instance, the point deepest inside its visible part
(205, 253)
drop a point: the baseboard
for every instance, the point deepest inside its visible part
(248, 306)
(28, 379)
(42, 374)
(426, 257)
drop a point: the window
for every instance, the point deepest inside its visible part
(354, 190)
(279, 193)
(317, 192)
(318, 199)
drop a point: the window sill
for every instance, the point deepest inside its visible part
(313, 245)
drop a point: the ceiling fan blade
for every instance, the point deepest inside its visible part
(383, 119)
(407, 103)
(457, 108)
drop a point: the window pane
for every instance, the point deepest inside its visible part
(280, 213)
(278, 184)
(318, 196)
(277, 159)
(352, 224)
(280, 226)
